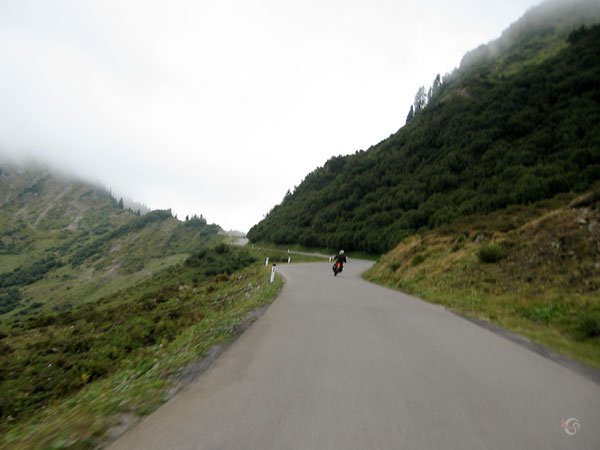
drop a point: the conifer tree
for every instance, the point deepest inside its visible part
(420, 100)
(411, 114)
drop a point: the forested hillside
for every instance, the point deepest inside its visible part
(65, 242)
(518, 122)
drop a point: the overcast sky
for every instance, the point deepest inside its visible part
(219, 107)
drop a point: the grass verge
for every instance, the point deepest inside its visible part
(532, 270)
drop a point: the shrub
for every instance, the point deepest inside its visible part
(9, 299)
(5, 349)
(490, 253)
(221, 277)
(220, 259)
(418, 259)
(395, 265)
(590, 326)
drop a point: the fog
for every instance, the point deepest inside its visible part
(218, 108)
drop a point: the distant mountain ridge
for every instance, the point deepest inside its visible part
(516, 123)
(64, 242)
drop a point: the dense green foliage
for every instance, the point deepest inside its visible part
(9, 299)
(506, 129)
(222, 259)
(22, 276)
(10, 295)
(489, 253)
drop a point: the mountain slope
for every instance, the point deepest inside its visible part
(517, 123)
(64, 242)
(103, 311)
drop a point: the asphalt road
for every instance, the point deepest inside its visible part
(338, 363)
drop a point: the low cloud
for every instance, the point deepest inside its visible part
(219, 108)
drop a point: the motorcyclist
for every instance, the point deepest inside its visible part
(340, 257)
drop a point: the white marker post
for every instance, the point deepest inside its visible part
(273, 270)
(289, 259)
(267, 261)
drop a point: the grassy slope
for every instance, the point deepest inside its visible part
(542, 279)
(72, 376)
(99, 247)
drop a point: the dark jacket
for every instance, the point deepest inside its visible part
(340, 258)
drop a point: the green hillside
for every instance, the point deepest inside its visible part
(65, 242)
(101, 308)
(518, 122)
(70, 377)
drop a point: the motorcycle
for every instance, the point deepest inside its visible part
(337, 268)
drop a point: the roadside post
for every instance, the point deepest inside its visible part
(267, 261)
(273, 270)
(289, 259)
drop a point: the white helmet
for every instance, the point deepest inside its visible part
(341, 252)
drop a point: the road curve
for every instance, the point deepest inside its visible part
(339, 363)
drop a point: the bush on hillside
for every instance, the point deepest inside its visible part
(590, 326)
(490, 253)
(221, 259)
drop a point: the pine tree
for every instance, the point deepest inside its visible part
(437, 83)
(411, 114)
(420, 100)
(435, 87)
